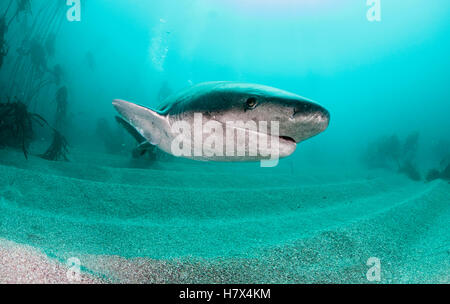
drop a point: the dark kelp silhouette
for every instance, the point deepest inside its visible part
(31, 70)
(23, 7)
(61, 107)
(440, 150)
(384, 152)
(410, 147)
(38, 56)
(16, 125)
(58, 149)
(389, 152)
(50, 45)
(3, 45)
(410, 170)
(58, 74)
(445, 174)
(434, 174)
(16, 131)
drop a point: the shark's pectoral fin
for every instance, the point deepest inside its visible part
(141, 149)
(149, 126)
(145, 146)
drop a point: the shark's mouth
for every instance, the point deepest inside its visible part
(287, 138)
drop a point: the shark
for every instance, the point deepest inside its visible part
(204, 119)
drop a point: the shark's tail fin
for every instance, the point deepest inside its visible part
(143, 144)
(144, 124)
(130, 129)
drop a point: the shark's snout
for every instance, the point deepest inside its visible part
(305, 110)
(308, 119)
(311, 109)
(323, 117)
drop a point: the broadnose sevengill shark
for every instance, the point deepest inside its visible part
(297, 118)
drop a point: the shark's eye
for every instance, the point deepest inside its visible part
(251, 103)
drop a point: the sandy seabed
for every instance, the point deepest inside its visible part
(186, 222)
(21, 264)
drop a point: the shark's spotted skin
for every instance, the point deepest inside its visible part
(298, 117)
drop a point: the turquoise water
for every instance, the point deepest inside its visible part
(360, 189)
